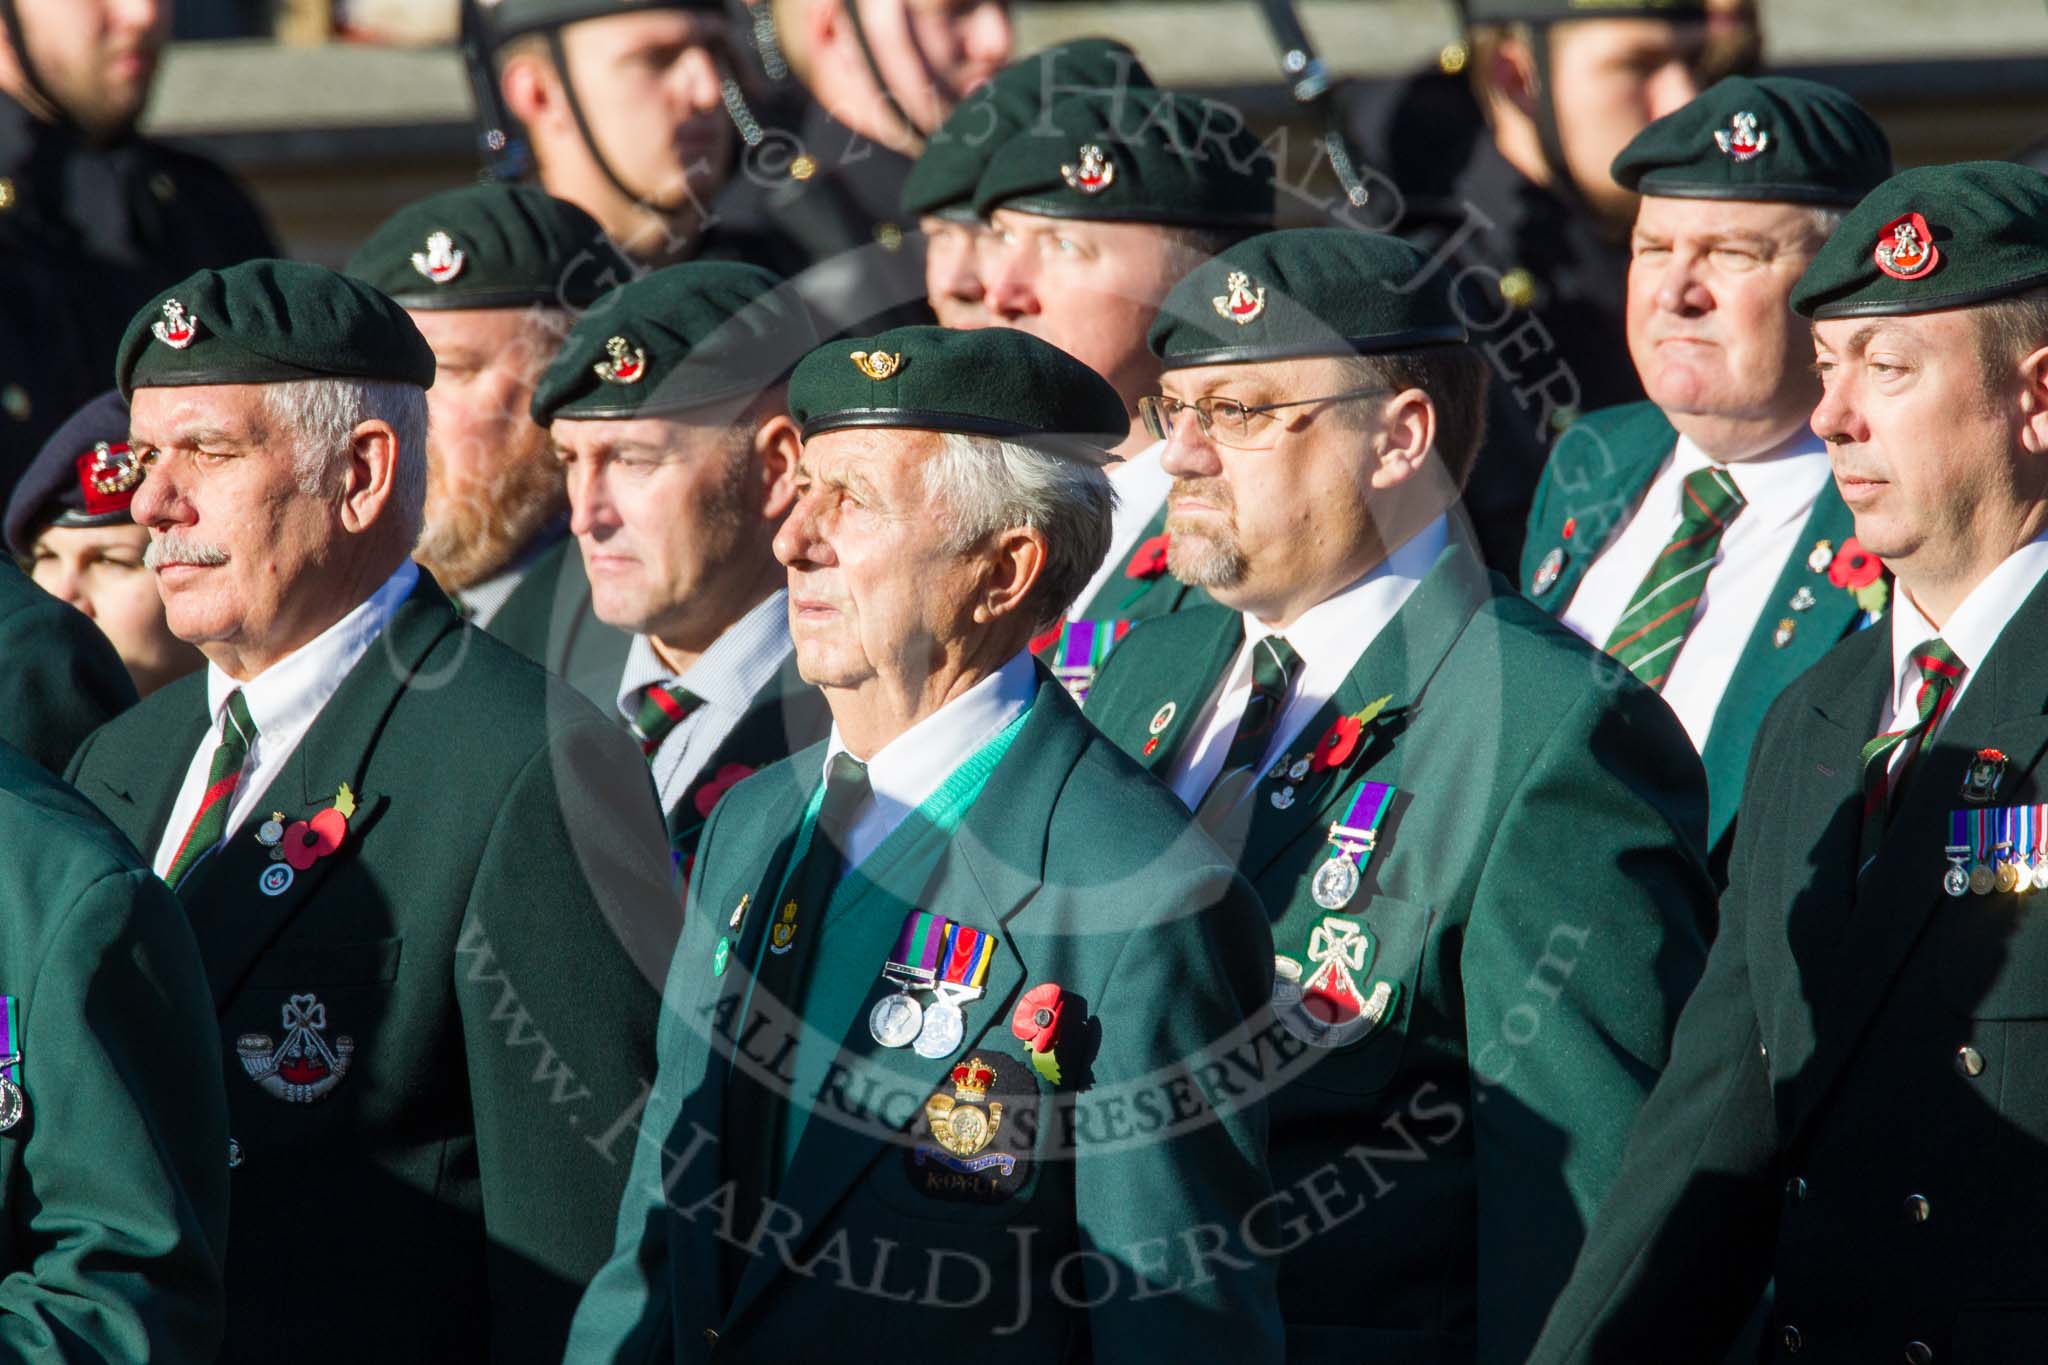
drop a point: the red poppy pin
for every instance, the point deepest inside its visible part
(1860, 573)
(306, 842)
(1149, 560)
(722, 781)
(1036, 1024)
(1340, 741)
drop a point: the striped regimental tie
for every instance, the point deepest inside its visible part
(1647, 638)
(237, 733)
(1275, 666)
(1941, 672)
(663, 706)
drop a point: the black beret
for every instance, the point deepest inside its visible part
(1137, 155)
(507, 19)
(942, 180)
(269, 322)
(994, 381)
(1771, 138)
(490, 246)
(84, 475)
(683, 338)
(1931, 238)
(1305, 292)
(1554, 11)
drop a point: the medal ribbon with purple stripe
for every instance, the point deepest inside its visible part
(10, 1039)
(915, 960)
(1357, 833)
(1082, 650)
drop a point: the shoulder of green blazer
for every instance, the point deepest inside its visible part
(1093, 879)
(62, 678)
(1592, 481)
(114, 1183)
(549, 619)
(503, 886)
(787, 715)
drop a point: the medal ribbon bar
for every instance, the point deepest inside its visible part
(1357, 833)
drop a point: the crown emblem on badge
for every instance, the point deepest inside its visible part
(1095, 173)
(959, 1123)
(1905, 248)
(177, 329)
(112, 469)
(1242, 303)
(1741, 140)
(626, 363)
(442, 261)
(877, 365)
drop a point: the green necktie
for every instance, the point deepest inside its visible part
(1941, 672)
(663, 706)
(1647, 638)
(1275, 666)
(237, 733)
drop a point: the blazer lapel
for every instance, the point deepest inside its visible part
(1205, 666)
(786, 715)
(144, 793)
(1600, 477)
(992, 867)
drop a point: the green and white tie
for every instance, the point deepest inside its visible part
(1647, 638)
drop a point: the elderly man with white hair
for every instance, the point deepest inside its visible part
(428, 881)
(948, 1023)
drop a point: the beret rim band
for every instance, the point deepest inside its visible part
(1809, 196)
(270, 371)
(1938, 303)
(1031, 202)
(571, 409)
(1447, 335)
(933, 419)
(441, 301)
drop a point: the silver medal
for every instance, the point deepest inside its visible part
(895, 1019)
(12, 1102)
(1336, 882)
(1955, 881)
(944, 1027)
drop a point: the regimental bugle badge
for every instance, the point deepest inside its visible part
(305, 1066)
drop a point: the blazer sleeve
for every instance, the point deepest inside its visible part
(574, 894)
(120, 1194)
(1686, 1254)
(62, 681)
(1585, 938)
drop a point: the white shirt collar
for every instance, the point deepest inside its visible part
(1972, 629)
(726, 676)
(1336, 630)
(298, 685)
(1780, 484)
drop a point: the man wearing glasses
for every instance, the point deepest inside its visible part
(1478, 840)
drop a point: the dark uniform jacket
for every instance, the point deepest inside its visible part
(1533, 910)
(548, 618)
(87, 236)
(59, 677)
(428, 1031)
(1091, 878)
(1854, 1103)
(114, 1180)
(1596, 476)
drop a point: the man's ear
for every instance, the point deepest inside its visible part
(1405, 437)
(776, 446)
(2034, 402)
(1512, 77)
(528, 87)
(1018, 559)
(370, 477)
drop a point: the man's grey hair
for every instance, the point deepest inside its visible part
(979, 485)
(322, 415)
(1825, 221)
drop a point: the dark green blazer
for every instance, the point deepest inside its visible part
(114, 1184)
(59, 678)
(1091, 877)
(475, 939)
(1598, 472)
(1861, 1042)
(786, 715)
(1535, 903)
(548, 619)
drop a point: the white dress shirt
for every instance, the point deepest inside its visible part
(1141, 485)
(726, 676)
(1970, 631)
(284, 700)
(909, 768)
(1329, 637)
(1778, 492)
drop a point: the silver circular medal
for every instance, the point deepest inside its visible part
(895, 1019)
(270, 833)
(1336, 882)
(2041, 874)
(944, 1027)
(1956, 882)
(12, 1104)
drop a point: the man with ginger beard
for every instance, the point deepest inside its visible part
(494, 276)
(93, 218)
(1697, 537)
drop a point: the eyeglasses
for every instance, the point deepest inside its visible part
(1227, 421)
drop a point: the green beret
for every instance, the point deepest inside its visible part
(687, 337)
(1137, 155)
(1305, 292)
(490, 246)
(508, 19)
(1931, 238)
(942, 180)
(1555, 11)
(1766, 137)
(270, 322)
(994, 381)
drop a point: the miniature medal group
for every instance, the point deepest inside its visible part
(946, 959)
(1994, 848)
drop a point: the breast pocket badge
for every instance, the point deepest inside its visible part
(305, 1066)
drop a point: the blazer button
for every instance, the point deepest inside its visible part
(1969, 1061)
(710, 1336)
(1795, 1189)
(1919, 1353)
(1918, 1210)
(1792, 1339)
